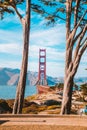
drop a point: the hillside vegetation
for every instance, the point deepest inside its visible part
(49, 103)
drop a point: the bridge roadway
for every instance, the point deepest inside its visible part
(18, 120)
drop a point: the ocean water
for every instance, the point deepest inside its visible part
(9, 92)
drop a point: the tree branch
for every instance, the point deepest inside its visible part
(77, 36)
(83, 41)
(72, 34)
(83, 48)
(77, 61)
(68, 18)
(12, 5)
(79, 42)
(76, 12)
(80, 20)
(75, 65)
(19, 15)
(78, 58)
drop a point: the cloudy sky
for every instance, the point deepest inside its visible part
(50, 38)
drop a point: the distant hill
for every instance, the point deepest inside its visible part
(10, 77)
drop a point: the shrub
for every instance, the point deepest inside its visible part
(52, 102)
(83, 88)
(4, 107)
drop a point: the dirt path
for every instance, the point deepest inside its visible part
(42, 127)
(44, 123)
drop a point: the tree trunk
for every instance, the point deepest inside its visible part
(22, 80)
(67, 95)
(18, 104)
(68, 81)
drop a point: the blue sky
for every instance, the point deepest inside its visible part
(51, 38)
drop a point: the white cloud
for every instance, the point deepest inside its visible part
(55, 54)
(10, 64)
(53, 69)
(13, 18)
(48, 37)
(11, 42)
(81, 71)
(55, 60)
(51, 53)
(84, 57)
(10, 36)
(82, 66)
(11, 48)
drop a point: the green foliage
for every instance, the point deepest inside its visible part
(83, 88)
(52, 87)
(59, 85)
(54, 10)
(4, 107)
(52, 102)
(6, 6)
(38, 9)
(11, 2)
(5, 10)
(75, 86)
(48, 2)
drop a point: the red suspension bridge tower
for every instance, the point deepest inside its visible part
(42, 67)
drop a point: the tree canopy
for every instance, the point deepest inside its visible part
(7, 6)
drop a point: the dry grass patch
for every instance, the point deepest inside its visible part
(33, 97)
(53, 107)
(10, 103)
(42, 108)
(33, 109)
(54, 111)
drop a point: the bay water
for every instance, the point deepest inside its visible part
(9, 92)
